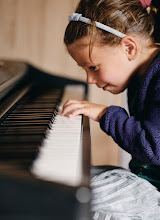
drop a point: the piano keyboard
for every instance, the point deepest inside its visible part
(62, 146)
(33, 134)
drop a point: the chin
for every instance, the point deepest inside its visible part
(114, 89)
(115, 92)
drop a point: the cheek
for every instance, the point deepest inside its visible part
(108, 75)
(103, 74)
(117, 73)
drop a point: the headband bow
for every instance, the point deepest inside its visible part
(145, 3)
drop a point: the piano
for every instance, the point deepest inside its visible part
(44, 157)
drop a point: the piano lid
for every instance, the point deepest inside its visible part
(10, 73)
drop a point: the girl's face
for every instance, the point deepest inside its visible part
(109, 67)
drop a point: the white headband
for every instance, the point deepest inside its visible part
(78, 17)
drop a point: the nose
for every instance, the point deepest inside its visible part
(91, 78)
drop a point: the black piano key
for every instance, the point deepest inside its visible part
(17, 154)
(23, 132)
(30, 119)
(26, 118)
(30, 114)
(41, 100)
(37, 106)
(16, 115)
(25, 122)
(26, 125)
(21, 113)
(19, 148)
(23, 119)
(24, 138)
(38, 110)
(19, 139)
(20, 128)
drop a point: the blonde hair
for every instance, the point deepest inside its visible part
(126, 16)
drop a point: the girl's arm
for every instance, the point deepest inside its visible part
(140, 138)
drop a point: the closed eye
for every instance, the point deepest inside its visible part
(92, 67)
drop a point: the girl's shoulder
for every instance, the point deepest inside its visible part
(150, 83)
(153, 71)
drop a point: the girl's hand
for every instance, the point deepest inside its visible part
(73, 107)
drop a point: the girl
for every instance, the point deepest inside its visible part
(117, 43)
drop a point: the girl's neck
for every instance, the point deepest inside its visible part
(146, 60)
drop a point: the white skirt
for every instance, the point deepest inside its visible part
(119, 194)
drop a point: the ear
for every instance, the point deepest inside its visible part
(129, 46)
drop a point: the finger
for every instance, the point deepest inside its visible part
(79, 111)
(61, 107)
(71, 107)
(70, 101)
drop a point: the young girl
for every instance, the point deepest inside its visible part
(117, 43)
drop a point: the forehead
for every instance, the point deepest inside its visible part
(83, 52)
(79, 50)
(78, 45)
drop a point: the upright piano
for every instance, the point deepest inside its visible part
(44, 157)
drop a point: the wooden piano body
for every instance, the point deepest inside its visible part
(23, 194)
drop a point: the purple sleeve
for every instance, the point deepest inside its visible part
(140, 139)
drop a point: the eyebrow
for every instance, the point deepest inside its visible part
(86, 64)
(81, 64)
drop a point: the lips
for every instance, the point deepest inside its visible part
(105, 87)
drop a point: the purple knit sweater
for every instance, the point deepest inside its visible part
(139, 132)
